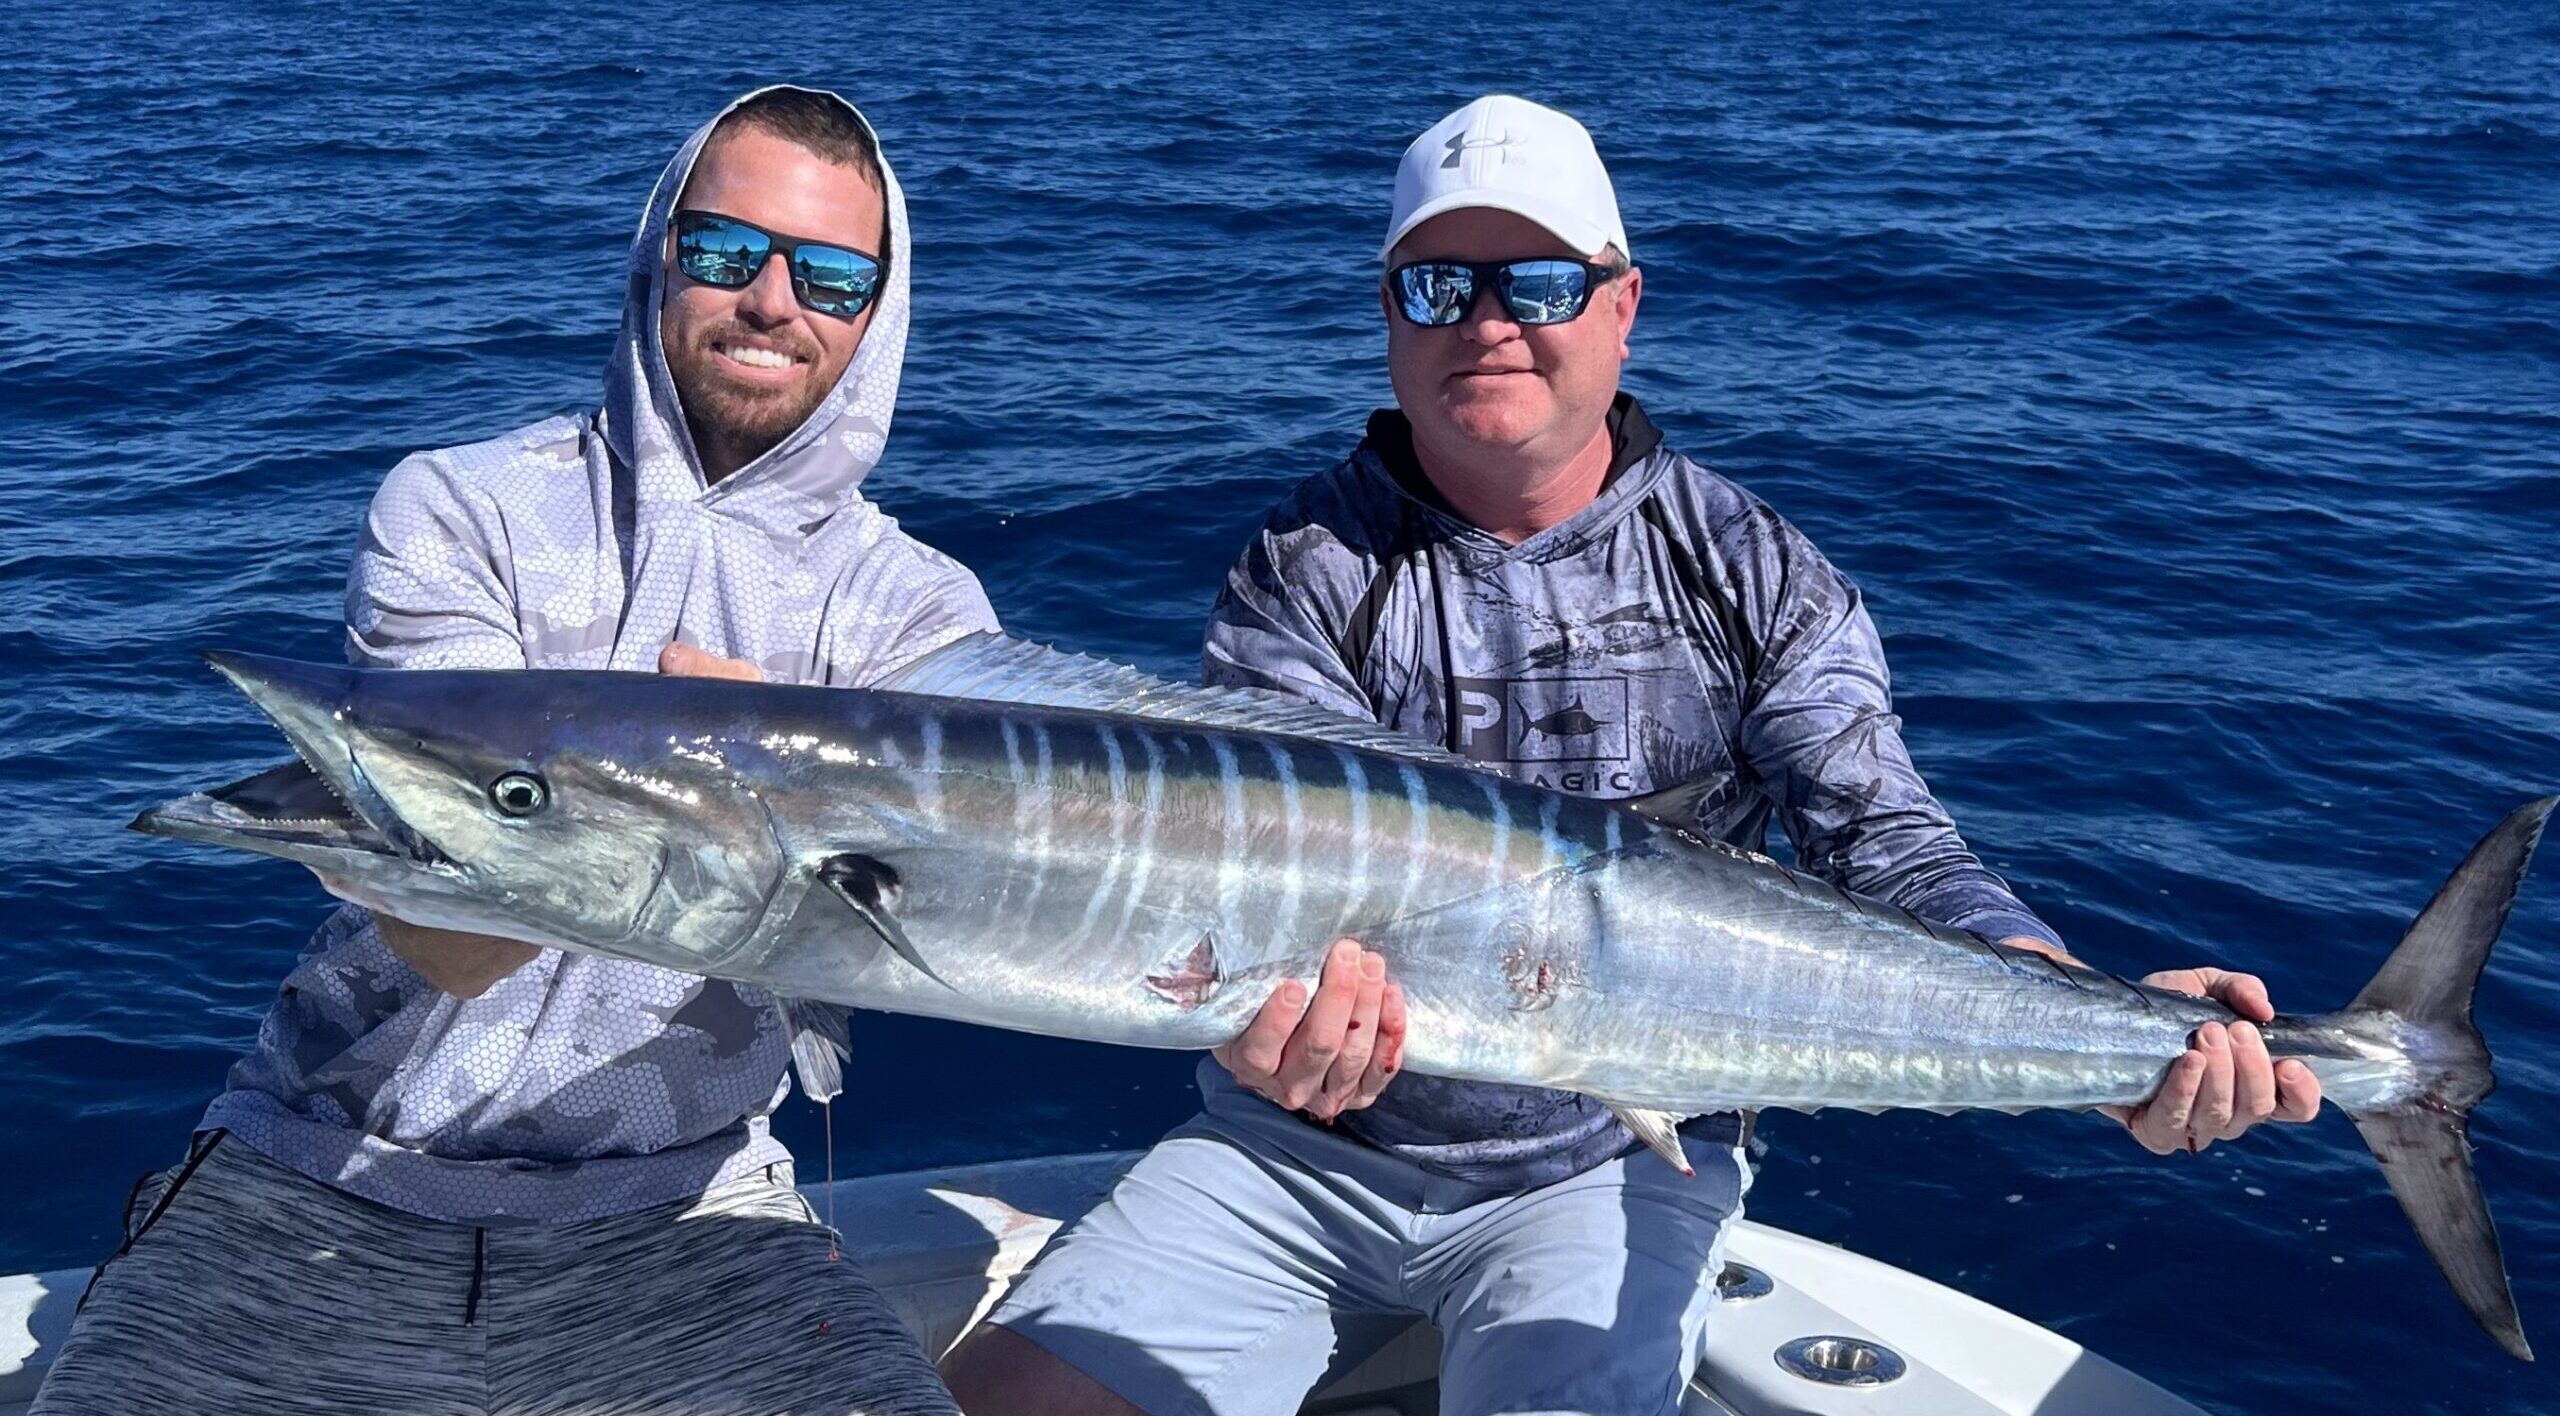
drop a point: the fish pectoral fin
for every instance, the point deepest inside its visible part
(821, 1039)
(1678, 806)
(1658, 1129)
(866, 883)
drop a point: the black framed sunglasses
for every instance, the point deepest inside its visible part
(726, 252)
(1542, 291)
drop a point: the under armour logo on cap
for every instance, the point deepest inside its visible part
(1460, 143)
(1528, 159)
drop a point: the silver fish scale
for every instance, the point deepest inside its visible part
(1094, 852)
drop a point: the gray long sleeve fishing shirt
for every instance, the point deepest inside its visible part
(1674, 633)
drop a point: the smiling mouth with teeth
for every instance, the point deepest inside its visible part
(756, 356)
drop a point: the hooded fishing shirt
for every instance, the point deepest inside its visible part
(1676, 633)
(580, 1087)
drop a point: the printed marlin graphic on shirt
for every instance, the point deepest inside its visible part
(1628, 639)
(1570, 721)
(1542, 720)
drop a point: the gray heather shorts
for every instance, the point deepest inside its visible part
(1249, 1256)
(245, 1287)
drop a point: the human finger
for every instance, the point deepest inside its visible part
(685, 661)
(2187, 981)
(2244, 994)
(2253, 1080)
(1317, 1039)
(2212, 1113)
(1359, 1040)
(1389, 1054)
(1254, 1054)
(2297, 1091)
(2161, 1123)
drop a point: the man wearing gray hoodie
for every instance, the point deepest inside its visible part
(462, 1174)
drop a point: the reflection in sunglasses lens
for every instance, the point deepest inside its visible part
(1543, 292)
(1436, 294)
(719, 251)
(1534, 292)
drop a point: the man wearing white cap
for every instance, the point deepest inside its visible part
(1513, 565)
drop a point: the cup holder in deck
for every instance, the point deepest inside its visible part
(1740, 1283)
(1841, 1361)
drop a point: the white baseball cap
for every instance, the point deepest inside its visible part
(1515, 156)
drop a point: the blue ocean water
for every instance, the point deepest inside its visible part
(2181, 380)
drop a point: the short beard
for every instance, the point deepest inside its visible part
(731, 423)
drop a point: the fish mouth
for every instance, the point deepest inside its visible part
(318, 808)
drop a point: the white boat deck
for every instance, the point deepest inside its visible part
(942, 1245)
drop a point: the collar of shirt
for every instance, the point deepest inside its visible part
(1632, 438)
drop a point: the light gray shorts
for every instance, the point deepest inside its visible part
(1248, 1257)
(245, 1287)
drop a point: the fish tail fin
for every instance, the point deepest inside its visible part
(2423, 995)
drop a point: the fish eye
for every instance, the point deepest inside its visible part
(519, 794)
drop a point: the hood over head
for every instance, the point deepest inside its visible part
(818, 467)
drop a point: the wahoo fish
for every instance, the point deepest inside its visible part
(1006, 835)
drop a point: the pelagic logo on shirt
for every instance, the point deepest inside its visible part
(1522, 721)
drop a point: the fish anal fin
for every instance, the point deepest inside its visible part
(821, 1039)
(869, 885)
(1659, 1130)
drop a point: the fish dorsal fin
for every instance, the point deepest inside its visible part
(998, 668)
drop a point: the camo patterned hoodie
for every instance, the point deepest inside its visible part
(1676, 633)
(579, 1087)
